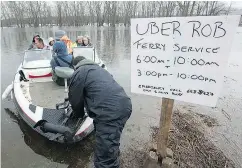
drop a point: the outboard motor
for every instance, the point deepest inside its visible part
(52, 128)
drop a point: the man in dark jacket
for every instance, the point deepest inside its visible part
(106, 102)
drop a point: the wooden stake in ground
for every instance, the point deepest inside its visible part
(165, 123)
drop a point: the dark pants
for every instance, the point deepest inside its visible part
(107, 141)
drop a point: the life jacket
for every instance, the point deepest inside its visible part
(68, 43)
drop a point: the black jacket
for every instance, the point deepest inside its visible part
(94, 87)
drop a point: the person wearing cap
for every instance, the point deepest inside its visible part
(106, 102)
(59, 34)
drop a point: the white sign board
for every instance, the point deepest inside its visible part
(181, 58)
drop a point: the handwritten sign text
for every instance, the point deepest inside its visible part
(182, 58)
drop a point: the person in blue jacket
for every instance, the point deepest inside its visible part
(60, 57)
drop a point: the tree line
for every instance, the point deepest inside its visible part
(79, 13)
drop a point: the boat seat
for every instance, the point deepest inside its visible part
(64, 72)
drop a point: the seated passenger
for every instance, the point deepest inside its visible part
(51, 41)
(78, 42)
(68, 43)
(86, 41)
(40, 44)
(32, 45)
(62, 59)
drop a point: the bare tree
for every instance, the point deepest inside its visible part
(98, 11)
(90, 5)
(59, 13)
(5, 15)
(193, 7)
(160, 7)
(113, 13)
(78, 13)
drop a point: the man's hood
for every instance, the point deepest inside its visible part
(84, 62)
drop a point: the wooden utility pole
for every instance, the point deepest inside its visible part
(165, 123)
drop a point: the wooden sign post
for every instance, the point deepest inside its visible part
(165, 123)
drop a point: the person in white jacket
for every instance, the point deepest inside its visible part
(51, 41)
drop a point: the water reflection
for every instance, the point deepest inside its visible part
(73, 155)
(104, 39)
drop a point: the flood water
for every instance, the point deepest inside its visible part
(22, 147)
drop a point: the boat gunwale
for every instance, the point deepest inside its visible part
(30, 121)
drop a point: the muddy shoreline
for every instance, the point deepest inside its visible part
(188, 141)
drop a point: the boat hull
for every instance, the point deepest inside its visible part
(36, 68)
(32, 113)
(78, 137)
